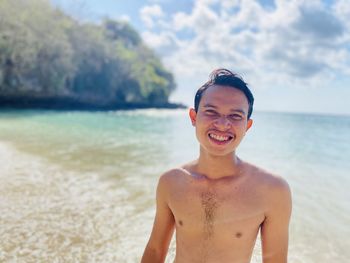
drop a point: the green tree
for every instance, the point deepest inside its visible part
(45, 53)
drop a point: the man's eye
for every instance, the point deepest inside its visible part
(210, 112)
(236, 117)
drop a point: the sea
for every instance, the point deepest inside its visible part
(79, 186)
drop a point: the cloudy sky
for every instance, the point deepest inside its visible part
(294, 54)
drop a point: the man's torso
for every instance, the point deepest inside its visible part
(216, 220)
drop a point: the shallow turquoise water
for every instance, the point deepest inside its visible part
(115, 159)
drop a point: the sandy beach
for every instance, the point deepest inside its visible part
(51, 215)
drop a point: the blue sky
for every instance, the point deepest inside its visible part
(294, 54)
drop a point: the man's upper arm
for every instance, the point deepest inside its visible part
(275, 228)
(163, 226)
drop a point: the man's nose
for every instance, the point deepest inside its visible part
(223, 123)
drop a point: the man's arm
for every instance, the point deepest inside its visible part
(274, 230)
(163, 227)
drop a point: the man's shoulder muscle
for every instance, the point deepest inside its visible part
(172, 174)
(268, 179)
(169, 179)
(272, 186)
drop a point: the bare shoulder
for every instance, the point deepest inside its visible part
(270, 183)
(173, 174)
(172, 177)
(274, 191)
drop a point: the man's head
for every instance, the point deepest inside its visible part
(223, 107)
(224, 77)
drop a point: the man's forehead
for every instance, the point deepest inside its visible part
(218, 95)
(231, 108)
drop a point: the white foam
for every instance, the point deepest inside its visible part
(52, 215)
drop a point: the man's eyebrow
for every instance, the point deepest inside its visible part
(238, 110)
(232, 110)
(210, 106)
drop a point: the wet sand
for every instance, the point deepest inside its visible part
(51, 215)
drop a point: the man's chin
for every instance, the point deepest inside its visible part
(219, 152)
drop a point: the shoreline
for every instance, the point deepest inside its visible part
(67, 103)
(52, 214)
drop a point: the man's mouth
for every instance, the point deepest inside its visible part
(220, 138)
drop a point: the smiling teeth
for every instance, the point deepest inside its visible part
(218, 137)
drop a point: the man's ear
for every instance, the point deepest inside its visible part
(249, 124)
(193, 116)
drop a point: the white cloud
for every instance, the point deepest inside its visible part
(124, 18)
(296, 42)
(150, 13)
(181, 21)
(164, 40)
(342, 10)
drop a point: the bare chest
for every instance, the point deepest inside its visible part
(204, 211)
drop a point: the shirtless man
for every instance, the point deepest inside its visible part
(218, 203)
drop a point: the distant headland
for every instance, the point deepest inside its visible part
(50, 60)
(69, 103)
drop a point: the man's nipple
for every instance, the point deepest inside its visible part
(238, 234)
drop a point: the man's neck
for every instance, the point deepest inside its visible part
(216, 167)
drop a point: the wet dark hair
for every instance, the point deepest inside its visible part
(225, 77)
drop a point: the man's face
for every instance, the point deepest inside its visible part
(221, 121)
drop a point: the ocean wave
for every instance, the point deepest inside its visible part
(52, 215)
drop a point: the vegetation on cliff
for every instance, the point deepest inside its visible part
(47, 56)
